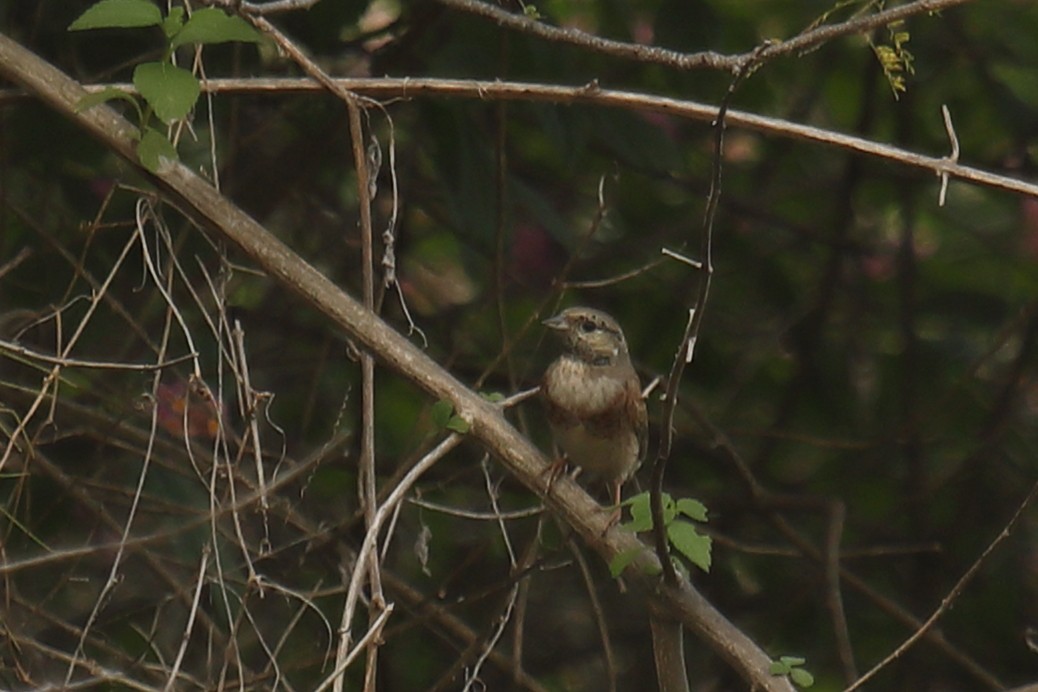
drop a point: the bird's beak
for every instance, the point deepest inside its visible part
(557, 322)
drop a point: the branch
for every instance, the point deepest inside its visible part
(388, 88)
(804, 42)
(203, 203)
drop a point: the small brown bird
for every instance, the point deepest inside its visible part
(593, 398)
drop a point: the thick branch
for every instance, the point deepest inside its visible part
(197, 198)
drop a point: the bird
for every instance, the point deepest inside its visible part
(593, 401)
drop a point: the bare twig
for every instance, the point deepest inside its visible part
(385, 510)
(67, 362)
(707, 59)
(479, 516)
(372, 635)
(186, 637)
(953, 595)
(52, 377)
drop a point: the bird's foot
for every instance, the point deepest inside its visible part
(552, 472)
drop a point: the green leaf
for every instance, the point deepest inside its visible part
(641, 514)
(493, 397)
(442, 411)
(170, 90)
(801, 678)
(790, 665)
(620, 561)
(693, 509)
(107, 94)
(118, 14)
(690, 543)
(458, 425)
(669, 508)
(211, 25)
(173, 22)
(154, 148)
(639, 524)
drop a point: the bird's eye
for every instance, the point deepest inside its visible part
(587, 326)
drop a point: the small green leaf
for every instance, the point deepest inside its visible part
(458, 425)
(211, 25)
(693, 509)
(173, 22)
(118, 14)
(801, 678)
(493, 397)
(639, 524)
(107, 94)
(154, 148)
(690, 543)
(636, 499)
(790, 665)
(620, 561)
(531, 11)
(669, 508)
(641, 513)
(441, 412)
(170, 90)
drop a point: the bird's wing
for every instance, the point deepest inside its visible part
(637, 413)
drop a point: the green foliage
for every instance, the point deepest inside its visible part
(532, 12)
(155, 147)
(211, 25)
(169, 91)
(109, 94)
(119, 14)
(443, 417)
(895, 59)
(792, 666)
(682, 535)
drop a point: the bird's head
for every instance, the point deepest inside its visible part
(590, 335)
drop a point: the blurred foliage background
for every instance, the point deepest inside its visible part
(867, 356)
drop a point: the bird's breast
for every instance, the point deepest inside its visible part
(576, 387)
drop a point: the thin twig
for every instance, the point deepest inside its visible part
(384, 511)
(687, 344)
(953, 595)
(67, 362)
(479, 516)
(373, 634)
(186, 636)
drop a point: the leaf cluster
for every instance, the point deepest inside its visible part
(168, 91)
